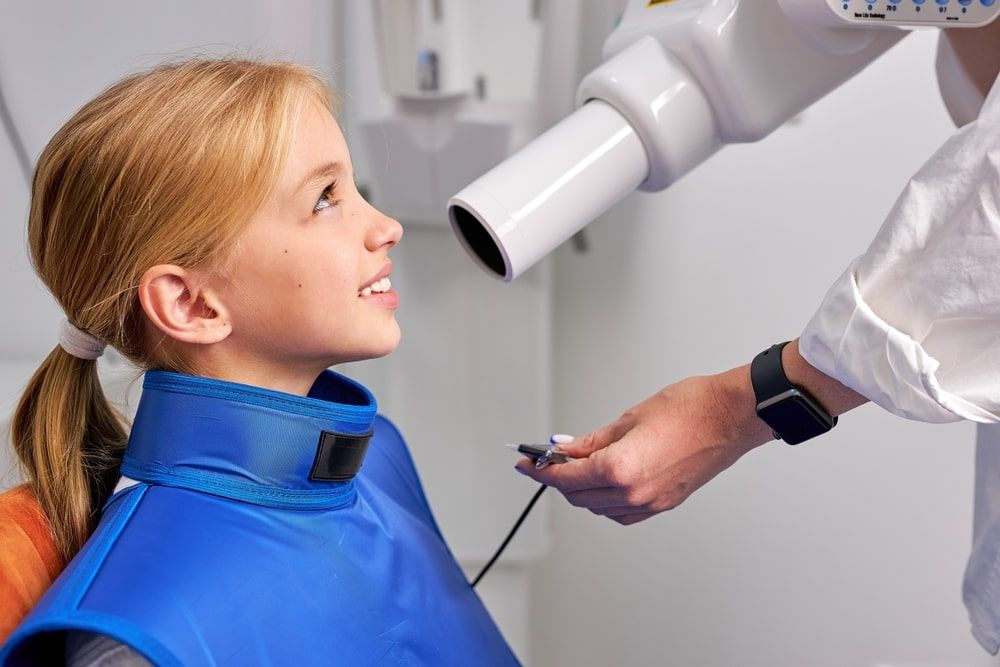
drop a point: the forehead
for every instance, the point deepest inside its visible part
(316, 141)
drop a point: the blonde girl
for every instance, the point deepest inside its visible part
(202, 219)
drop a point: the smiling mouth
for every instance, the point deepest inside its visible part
(377, 287)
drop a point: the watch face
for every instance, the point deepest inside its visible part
(794, 418)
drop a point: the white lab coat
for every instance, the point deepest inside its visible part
(914, 325)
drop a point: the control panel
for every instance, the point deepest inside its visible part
(936, 13)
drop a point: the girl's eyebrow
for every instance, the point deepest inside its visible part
(319, 174)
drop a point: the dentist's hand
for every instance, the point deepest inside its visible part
(659, 452)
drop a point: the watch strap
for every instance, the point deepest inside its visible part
(767, 375)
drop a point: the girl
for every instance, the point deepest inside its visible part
(202, 219)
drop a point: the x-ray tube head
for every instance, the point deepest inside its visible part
(519, 211)
(680, 80)
(642, 123)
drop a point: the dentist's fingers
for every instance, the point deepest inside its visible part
(629, 519)
(585, 445)
(615, 503)
(611, 502)
(574, 475)
(595, 499)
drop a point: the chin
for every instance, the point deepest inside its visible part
(373, 349)
(387, 347)
(392, 339)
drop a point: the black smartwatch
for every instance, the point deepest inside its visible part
(793, 415)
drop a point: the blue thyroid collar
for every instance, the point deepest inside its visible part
(248, 443)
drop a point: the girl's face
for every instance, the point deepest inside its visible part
(307, 287)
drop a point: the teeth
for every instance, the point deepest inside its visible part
(378, 286)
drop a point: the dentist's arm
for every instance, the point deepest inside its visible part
(660, 451)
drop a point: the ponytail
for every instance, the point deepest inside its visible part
(70, 442)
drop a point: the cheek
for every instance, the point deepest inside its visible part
(328, 274)
(305, 261)
(306, 275)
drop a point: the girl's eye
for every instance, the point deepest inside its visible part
(325, 199)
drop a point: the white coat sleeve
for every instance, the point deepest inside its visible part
(913, 324)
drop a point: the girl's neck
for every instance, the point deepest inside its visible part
(286, 378)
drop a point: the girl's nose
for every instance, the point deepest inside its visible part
(384, 231)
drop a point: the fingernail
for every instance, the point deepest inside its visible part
(560, 439)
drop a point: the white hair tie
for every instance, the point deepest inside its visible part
(80, 343)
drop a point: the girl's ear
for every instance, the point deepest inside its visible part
(179, 304)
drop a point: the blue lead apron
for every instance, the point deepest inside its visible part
(247, 542)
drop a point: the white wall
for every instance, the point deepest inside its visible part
(847, 550)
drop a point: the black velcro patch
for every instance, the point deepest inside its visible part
(339, 456)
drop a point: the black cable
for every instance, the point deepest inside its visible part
(23, 160)
(503, 545)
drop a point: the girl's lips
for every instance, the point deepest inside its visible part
(388, 299)
(384, 273)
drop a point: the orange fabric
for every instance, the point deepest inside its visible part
(29, 560)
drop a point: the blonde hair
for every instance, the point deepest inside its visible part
(166, 166)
